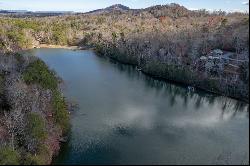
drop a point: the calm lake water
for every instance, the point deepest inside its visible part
(125, 117)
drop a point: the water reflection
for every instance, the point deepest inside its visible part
(182, 92)
(126, 117)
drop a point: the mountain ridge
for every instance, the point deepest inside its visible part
(115, 7)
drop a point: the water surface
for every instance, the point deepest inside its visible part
(125, 117)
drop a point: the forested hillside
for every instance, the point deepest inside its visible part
(34, 116)
(33, 112)
(198, 48)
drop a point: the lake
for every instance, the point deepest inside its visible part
(126, 117)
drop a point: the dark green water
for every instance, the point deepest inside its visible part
(125, 117)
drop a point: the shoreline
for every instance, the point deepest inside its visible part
(56, 46)
(177, 82)
(63, 47)
(151, 75)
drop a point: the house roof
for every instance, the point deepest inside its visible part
(217, 51)
(203, 58)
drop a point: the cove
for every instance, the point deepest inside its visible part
(126, 117)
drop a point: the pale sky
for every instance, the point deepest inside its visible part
(87, 5)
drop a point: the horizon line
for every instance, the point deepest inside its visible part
(82, 11)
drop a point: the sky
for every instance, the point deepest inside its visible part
(88, 5)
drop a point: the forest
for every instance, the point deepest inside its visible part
(166, 41)
(206, 50)
(33, 112)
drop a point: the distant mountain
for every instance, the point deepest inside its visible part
(172, 10)
(25, 13)
(116, 7)
(15, 11)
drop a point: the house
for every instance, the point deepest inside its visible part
(203, 58)
(218, 56)
(214, 57)
(217, 52)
